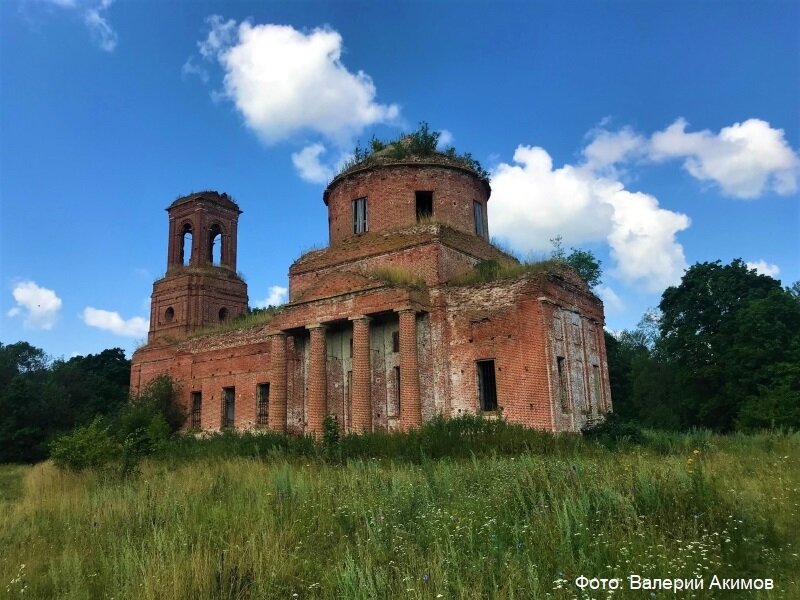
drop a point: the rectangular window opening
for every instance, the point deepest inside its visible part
(360, 216)
(262, 404)
(197, 408)
(395, 341)
(228, 407)
(424, 205)
(563, 394)
(487, 386)
(477, 209)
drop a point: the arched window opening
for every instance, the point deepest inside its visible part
(186, 245)
(223, 314)
(169, 314)
(215, 245)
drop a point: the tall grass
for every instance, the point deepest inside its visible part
(521, 522)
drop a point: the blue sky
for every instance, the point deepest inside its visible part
(656, 134)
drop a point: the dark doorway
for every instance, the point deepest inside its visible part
(424, 205)
(262, 404)
(197, 407)
(487, 387)
(228, 407)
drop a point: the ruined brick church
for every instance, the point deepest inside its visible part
(384, 328)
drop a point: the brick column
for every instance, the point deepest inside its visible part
(410, 407)
(361, 400)
(277, 383)
(317, 380)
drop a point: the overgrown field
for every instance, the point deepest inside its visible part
(224, 519)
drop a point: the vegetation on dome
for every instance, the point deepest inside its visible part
(420, 144)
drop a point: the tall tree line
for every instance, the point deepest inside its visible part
(722, 352)
(40, 399)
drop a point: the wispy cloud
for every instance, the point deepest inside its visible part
(94, 15)
(100, 29)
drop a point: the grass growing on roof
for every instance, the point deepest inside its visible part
(397, 277)
(252, 318)
(492, 270)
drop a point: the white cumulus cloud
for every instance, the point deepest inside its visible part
(276, 295)
(108, 320)
(38, 305)
(533, 202)
(745, 160)
(642, 238)
(764, 268)
(285, 82)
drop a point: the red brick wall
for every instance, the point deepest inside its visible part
(390, 192)
(202, 212)
(513, 323)
(423, 261)
(208, 371)
(196, 298)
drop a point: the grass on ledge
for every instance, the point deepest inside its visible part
(491, 270)
(398, 277)
(252, 318)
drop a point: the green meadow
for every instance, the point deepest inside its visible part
(514, 514)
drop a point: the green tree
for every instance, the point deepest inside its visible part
(586, 264)
(40, 400)
(642, 384)
(724, 332)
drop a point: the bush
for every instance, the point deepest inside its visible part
(87, 447)
(140, 428)
(161, 397)
(614, 430)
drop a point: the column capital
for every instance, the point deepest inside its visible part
(316, 326)
(406, 309)
(277, 334)
(359, 318)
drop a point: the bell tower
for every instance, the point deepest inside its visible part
(201, 286)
